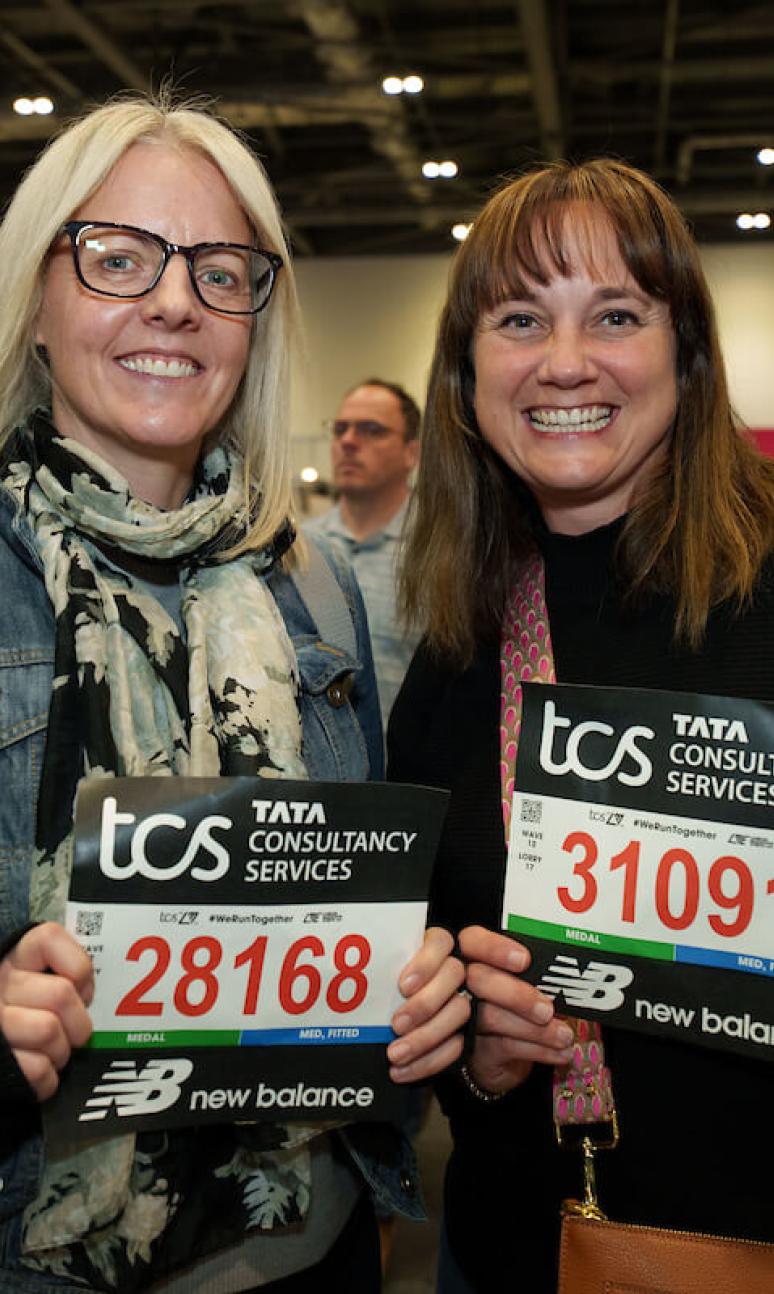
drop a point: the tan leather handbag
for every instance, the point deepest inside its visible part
(602, 1257)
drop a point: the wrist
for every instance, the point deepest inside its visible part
(472, 1085)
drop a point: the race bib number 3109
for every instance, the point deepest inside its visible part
(641, 860)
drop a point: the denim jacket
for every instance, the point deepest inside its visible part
(341, 741)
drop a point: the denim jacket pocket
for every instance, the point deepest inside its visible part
(25, 692)
(330, 725)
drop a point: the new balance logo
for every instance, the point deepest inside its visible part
(598, 986)
(155, 1088)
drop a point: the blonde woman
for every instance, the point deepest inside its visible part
(145, 541)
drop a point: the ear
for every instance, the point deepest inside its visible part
(38, 329)
(412, 453)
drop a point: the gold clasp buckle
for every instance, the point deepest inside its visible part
(588, 1207)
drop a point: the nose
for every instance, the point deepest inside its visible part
(173, 301)
(350, 439)
(567, 360)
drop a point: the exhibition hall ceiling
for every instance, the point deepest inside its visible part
(683, 88)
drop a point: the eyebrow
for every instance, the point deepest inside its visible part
(614, 292)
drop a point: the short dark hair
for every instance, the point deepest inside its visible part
(412, 417)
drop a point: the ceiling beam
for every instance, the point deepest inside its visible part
(712, 202)
(668, 47)
(97, 40)
(715, 143)
(540, 61)
(345, 58)
(22, 52)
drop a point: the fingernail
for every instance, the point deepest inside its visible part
(398, 1051)
(564, 1035)
(542, 1011)
(408, 984)
(401, 1023)
(517, 959)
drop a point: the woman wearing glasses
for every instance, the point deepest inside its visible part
(144, 503)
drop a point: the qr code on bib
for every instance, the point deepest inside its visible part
(88, 924)
(531, 811)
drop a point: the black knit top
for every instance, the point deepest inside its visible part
(697, 1139)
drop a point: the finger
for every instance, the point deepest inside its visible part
(497, 1054)
(48, 995)
(436, 946)
(555, 1036)
(49, 947)
(434, 1062)
(425, 1003)
(39, 1073)
(510, 992)
(479, 944)
(36, 1031)
(427, 1037)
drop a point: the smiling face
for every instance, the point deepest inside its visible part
(142, 382)
(576, 386)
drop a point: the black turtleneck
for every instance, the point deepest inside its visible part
(697, 1141)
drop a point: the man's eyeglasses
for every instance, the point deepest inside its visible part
(124, 261)
(364, 429)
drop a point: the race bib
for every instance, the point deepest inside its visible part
(247, 937)
(641, 861)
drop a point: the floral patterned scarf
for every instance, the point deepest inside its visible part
(133, 696)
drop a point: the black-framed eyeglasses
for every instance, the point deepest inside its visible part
(364, 428)
(124, 261)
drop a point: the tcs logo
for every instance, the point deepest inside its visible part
(203, 846)
(623, 747)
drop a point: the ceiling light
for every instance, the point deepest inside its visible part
(413, 84)
(24, 107)
(309, 475)
(444, 170)
(761, 220)
(766, 156)
(392, 85)
(460, 232)
(43, 105)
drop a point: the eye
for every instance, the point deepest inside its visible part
(619, 318)
(117, 262)
(518, 321)
(218, 278)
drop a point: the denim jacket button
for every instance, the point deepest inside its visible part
(407, 1182)
(338, 691)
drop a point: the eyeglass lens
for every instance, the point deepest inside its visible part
(123, 263)
(365, 429)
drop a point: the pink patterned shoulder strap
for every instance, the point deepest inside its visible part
(582, 1090)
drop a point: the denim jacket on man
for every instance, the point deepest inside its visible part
(342, 742)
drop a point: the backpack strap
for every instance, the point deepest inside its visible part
(324, 598)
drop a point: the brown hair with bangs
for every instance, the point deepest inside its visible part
(704, 523)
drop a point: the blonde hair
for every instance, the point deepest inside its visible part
(704, 524)
(62, 179)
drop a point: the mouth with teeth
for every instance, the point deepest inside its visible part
(154, 366)
(582, 418)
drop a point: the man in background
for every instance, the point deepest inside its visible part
(374, 449)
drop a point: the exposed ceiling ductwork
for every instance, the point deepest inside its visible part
(684, 88)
